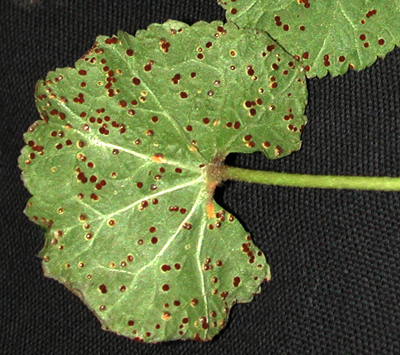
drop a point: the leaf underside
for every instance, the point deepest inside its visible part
(329, 36)
(124, 163)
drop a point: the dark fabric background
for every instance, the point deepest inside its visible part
(334, 254)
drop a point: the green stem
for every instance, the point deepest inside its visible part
(313, 181)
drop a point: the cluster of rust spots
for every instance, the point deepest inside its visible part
(103, 288)
(235, 125)
(207, 265)
(164, 45)
(165, 267)
(236, 281)
(187, 226)
(250, 106)
(220, 216)
(176, 78)
(39, 149)
(278, 23)
(177, 209)
(305, 3)
(370, 13)
(112, 40)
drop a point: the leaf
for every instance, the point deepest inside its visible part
(124, 164)
(328, 35)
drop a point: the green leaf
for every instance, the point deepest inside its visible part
(124, 164)
(328, 35)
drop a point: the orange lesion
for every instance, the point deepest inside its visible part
(210, 209)
(214, 175)
(158, 158)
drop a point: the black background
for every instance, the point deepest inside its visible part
(334, 254)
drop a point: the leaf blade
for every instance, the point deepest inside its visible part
(124, 168)
(351, 34)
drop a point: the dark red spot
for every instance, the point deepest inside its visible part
(250, 71)
(236, 281)
(165, 287)
(103, 288)
(136, 81)
(177, 266)
(184, 95)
